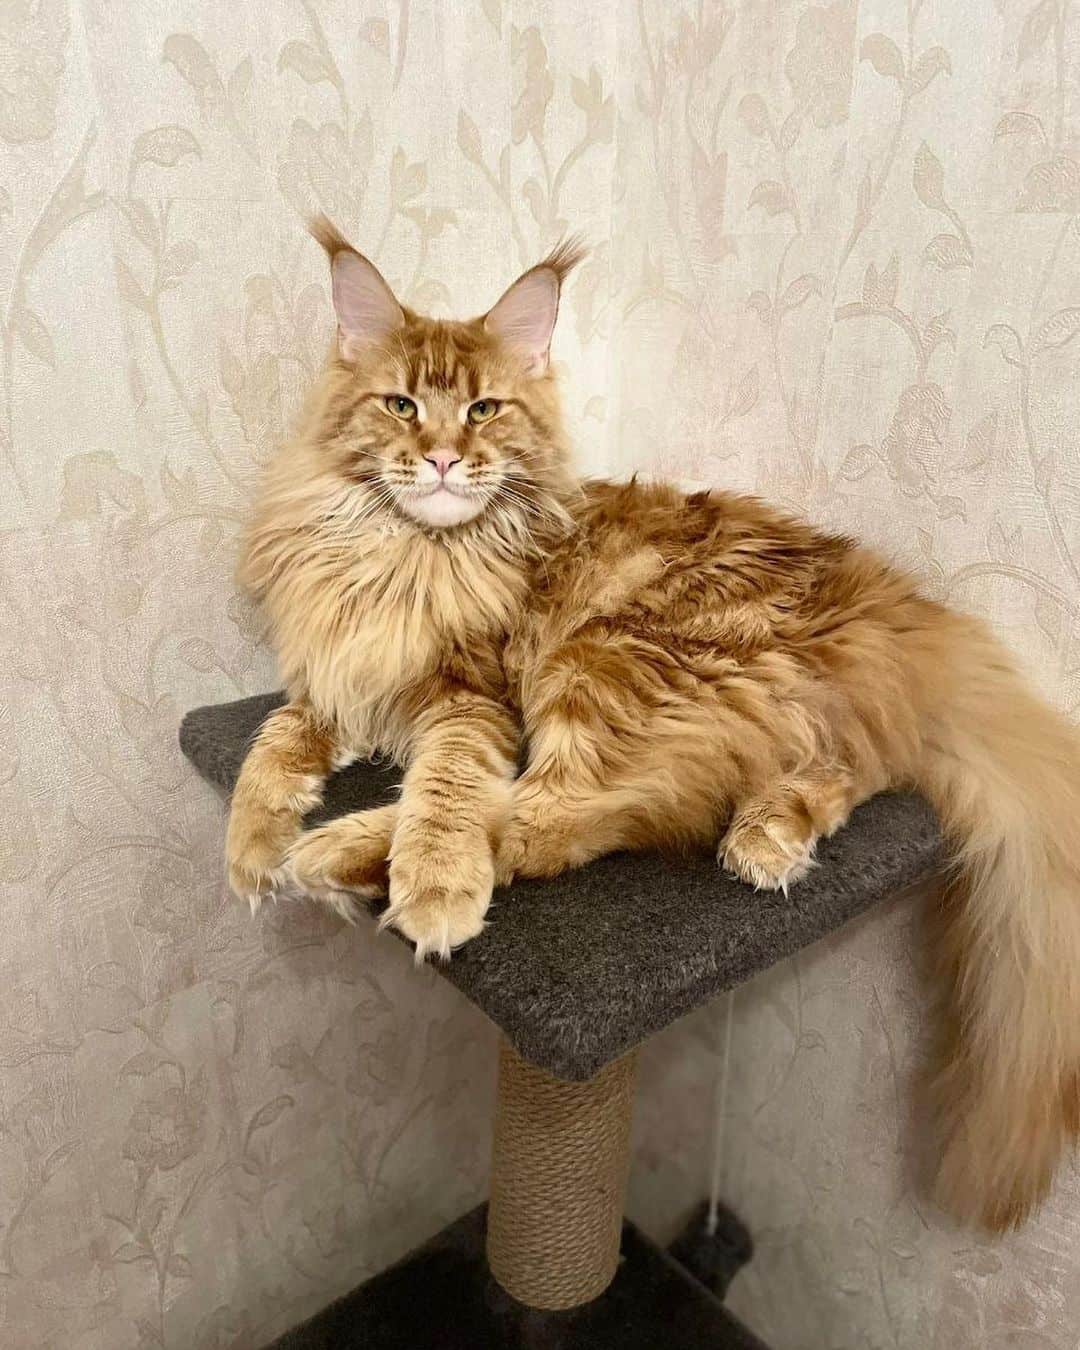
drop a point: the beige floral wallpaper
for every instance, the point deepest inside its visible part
(836, 260)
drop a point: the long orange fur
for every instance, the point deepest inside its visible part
(684, 669)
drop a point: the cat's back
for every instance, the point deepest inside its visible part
(713, 567)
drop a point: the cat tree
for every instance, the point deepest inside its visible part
(577, 972)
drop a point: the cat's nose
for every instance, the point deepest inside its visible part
(443, 461)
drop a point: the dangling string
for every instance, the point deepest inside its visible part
(719, 1111)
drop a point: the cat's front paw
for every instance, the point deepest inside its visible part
(255, 849)
(344, 861)
(438, 898)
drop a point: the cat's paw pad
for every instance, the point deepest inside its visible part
(439, 903)
(768, 854)
(341, 864)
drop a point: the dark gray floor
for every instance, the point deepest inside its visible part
(442, 1297)
(578, 970)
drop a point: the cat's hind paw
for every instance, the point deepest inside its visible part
(770, 854)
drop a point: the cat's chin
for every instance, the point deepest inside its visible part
(442, 508)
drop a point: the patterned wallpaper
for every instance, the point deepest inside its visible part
(836, 259)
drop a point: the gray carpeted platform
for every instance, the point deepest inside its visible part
(578, 970)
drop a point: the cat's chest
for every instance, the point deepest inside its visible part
(355, 661)
(359, 633)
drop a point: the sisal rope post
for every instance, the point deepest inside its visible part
(558, 1180)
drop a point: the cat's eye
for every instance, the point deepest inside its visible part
(483, 410)
(401, 407)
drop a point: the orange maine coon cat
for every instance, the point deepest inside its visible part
(683, 669)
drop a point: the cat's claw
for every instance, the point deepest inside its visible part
(255, 887)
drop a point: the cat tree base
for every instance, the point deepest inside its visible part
(549, 1262)
(443, 1296)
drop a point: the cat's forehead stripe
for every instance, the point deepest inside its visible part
(444, 357)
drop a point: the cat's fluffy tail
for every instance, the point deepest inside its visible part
(1003, 770)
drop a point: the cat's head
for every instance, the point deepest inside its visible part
(441, 421)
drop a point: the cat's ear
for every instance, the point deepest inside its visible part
(524, 316)
(365, 305)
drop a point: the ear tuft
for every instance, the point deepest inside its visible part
(566, 255)
(524, 316)
(323, 230)
(365, 305)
